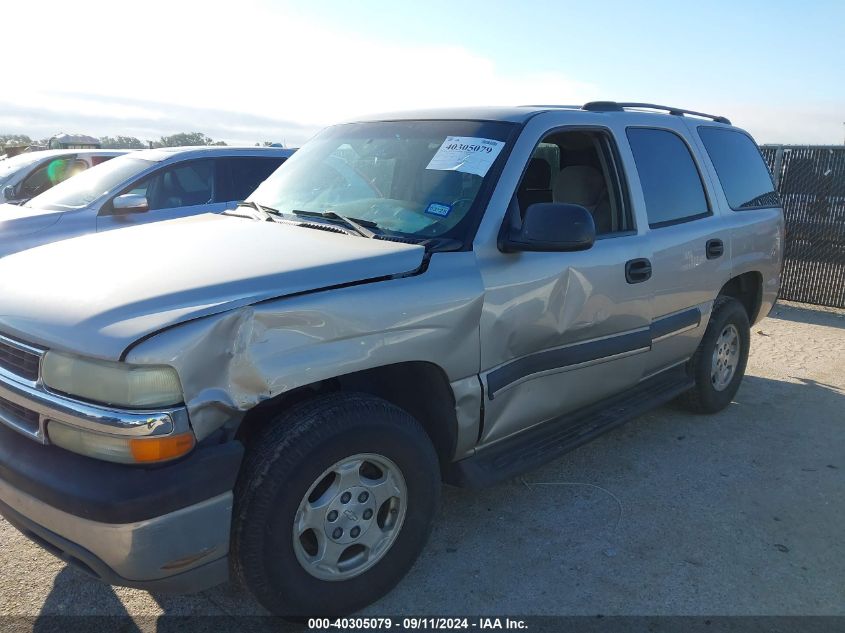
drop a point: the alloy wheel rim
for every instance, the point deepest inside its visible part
(725, 358)
(350, 517)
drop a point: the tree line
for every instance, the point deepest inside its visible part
(127, 142)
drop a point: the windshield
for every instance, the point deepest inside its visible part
(410, 178)
(10, 166)
(83, 189)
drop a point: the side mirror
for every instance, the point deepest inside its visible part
(130, 203)
(9, 192)
(551, 226)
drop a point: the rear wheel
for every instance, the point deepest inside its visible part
(333, 505)
(719, 362)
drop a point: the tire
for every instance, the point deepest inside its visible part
(289, 458)
(710, 394)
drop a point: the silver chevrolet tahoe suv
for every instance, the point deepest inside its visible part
(276, 394)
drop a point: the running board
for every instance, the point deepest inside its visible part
(540, 444)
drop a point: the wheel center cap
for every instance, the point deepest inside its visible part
(349, 515)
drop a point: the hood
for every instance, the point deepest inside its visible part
(97, 294)
(17, 222)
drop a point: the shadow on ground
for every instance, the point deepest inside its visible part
(812, 315)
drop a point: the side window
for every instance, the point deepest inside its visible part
(37, 182)
(76, 168)
(49, 175)
(744, 176)
(181, 185)
(578, 167)
(670, 180)
(241, 176)
(96, 160)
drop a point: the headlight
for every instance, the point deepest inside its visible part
(120, 384)
(122, 449)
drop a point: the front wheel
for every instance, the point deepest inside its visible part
(333, 505)
(719, 362)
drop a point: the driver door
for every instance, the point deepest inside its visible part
(47, 176)
(563, 330)
(173, 191)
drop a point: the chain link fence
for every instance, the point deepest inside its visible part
(811, 183)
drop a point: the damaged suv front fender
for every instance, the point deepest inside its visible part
(229, 363)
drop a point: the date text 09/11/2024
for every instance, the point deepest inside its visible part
(417, 623)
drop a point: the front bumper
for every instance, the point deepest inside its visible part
(162, 528)
(183, 552)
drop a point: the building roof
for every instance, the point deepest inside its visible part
(76, 139)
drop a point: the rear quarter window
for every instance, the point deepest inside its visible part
(743, 174)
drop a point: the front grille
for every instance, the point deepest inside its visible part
(19, 361)
(19, 416)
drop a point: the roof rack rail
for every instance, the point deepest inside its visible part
(613, 106)
(550, 105)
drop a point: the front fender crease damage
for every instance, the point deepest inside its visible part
(231, 362)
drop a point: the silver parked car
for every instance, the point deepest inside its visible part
(141, 187)
(32, 173)
(451, 295)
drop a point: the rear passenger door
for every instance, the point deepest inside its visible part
(239, 176)
(690, 258)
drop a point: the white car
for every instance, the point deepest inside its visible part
(32, 173)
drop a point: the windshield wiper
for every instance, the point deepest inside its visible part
(359, 226)
(266, 211)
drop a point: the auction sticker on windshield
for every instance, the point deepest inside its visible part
(468, 154)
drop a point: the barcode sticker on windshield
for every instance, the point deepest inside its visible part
(467, 154)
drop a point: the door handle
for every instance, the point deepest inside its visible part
(715, 249)
(637, 270)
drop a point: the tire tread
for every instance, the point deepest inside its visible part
(286, 441)
(697, 399)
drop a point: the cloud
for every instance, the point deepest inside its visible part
(805, 123)
(252, 71)
(247, 65)
(45, 114)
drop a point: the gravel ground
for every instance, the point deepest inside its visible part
(734, 514)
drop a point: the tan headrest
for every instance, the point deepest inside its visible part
(579, 184)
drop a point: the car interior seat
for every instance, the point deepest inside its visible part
(585, 186)
(171, 193)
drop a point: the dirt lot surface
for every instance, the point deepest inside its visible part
(737, 513)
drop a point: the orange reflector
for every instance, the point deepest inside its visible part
(159, 449)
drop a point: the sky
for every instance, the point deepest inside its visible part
(256, 70)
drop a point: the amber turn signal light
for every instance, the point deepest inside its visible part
(159, 449)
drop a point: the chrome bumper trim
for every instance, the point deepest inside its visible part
(91, 417)
(143, 551)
